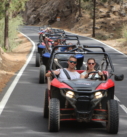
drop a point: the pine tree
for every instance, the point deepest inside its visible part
(9, 7)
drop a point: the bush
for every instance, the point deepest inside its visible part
(1, 32)
(124, 31)
(13, 30)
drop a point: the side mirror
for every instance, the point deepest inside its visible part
(119, 77)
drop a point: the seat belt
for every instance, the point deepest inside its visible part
(64, 70)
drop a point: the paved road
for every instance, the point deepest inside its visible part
(23, 113)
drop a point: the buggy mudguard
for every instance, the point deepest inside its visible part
(41, 46)
(46, 55)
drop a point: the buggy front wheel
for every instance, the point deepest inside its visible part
(46, 110)
(37, 59)
(112, 123)
(54, 115)
(42, 78)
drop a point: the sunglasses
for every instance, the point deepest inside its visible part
(73, 61)
(91, 63)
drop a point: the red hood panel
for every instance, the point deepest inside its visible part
(106, 85)
(58, 84)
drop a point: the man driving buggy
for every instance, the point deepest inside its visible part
(72, 61)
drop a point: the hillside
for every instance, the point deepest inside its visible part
(109, 16)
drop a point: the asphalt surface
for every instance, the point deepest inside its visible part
(22, 116)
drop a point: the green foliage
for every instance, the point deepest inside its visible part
(124, 31)
(13, 27)
(1, 32)
(15, 6)
(1, 10)
(102, 36)
(87, 5)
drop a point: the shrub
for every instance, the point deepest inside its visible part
(13, 30)
(124, 31)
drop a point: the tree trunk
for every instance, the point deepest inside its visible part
(94, 18)
(80, 14)
(6, 28)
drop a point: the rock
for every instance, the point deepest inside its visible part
(105, 15)
(122, 14)
(116, 13)
(97, 27)
(104, 22)
(101, 10)
(125, 6)
(32, 19)
(112, 34)
(46, 11)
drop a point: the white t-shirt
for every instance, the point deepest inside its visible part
(73, 75)
(96, 75)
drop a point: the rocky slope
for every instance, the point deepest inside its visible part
(109, 17)
(46, 11)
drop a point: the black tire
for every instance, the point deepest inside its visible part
(42, 78)
(40, 38)
(46, 110)
(112, 123)
(54, 115)
(37, 60)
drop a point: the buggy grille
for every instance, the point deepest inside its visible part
(83, 103)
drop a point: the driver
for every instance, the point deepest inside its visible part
(72, 61)
(90, 68)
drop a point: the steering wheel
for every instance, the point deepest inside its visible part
(93, 76)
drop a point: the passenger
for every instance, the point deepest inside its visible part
(48, 30)
(90, 67)
(46, 42)
(69, 48)
(72, 61)
(56, 43)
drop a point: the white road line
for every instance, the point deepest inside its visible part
(11, 88)
(124, 108)
(116, 98)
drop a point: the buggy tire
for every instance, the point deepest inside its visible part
(54, 115)
(46, 110)
(37, 60)
(42, 73)
(112, 123)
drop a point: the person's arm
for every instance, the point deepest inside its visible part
(49, 74)
(84, 75)
(100, 73)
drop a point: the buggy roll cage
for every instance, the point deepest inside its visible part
(52, 36)
(66, 37)
(84, 51)
(85, 46)
(58, 31)
(72, 37)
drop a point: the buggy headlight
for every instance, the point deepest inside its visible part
(98, 95)
(70, 94)
(56, 59)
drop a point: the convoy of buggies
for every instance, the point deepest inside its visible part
(82, 100)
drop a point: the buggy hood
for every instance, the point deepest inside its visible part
(82, 85)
